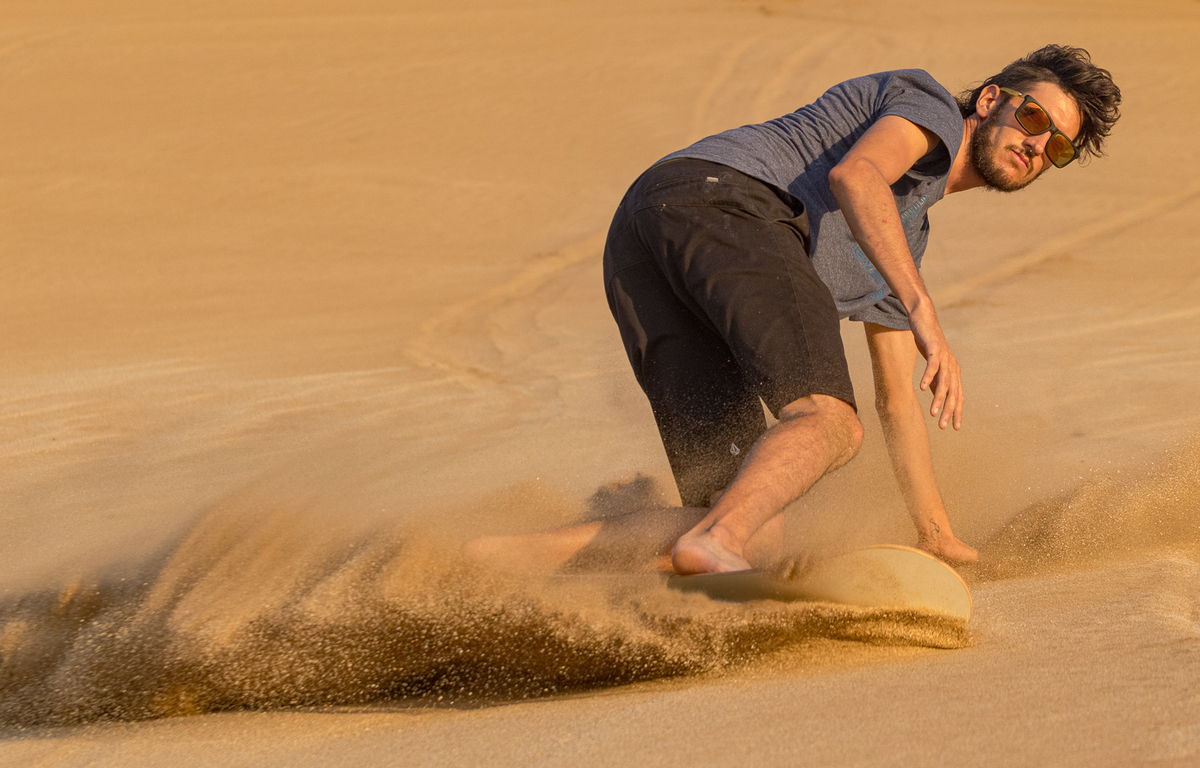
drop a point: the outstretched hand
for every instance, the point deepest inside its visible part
(942, 373)
(948, 548)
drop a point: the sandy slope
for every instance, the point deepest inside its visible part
(310, 282)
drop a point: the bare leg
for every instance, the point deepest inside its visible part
(629, 541)
(815, 435)
(640, 540)
(744, 528)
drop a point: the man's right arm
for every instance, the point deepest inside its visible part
(861, 182)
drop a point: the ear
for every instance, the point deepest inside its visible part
(988, 100)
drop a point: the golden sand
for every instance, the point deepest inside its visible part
(295, 297)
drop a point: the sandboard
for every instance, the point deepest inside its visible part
(884, 576)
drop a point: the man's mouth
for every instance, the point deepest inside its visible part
(1022, 158)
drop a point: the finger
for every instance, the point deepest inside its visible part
(931, 369)
(954, 401)
(951, 398)
(941, 388)
(951, 409)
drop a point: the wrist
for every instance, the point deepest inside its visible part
(933, 526)
(919, 305)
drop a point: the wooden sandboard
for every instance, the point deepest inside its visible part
(884, 576)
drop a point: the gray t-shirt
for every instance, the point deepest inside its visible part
(796, 152)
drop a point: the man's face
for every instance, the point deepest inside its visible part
(1003, 154)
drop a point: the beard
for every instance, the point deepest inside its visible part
(984, 163)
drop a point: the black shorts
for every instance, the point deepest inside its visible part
(707, 274)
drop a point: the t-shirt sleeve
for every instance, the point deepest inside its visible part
(917, 97)
(888, 312)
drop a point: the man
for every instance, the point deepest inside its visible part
(729, 264)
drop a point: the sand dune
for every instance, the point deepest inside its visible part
(295, 297)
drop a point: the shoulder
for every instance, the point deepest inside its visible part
(897, 81)
(921, 81)
(903, 89)
(916, 96)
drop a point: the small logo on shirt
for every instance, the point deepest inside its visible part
(734, 450)
(907, 217)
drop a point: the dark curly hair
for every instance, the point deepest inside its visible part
(1071, 69)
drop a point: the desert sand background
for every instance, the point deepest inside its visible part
(295, 297)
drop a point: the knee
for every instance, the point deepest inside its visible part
(849, 429)
(840, 422)
(855, 432)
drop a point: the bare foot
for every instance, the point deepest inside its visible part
(765, 547)
(704, 552)
(529, 552)
(948, 548)
(496, 552)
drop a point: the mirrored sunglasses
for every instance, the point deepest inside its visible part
(1033, 117)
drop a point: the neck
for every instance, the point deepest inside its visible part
(962, 173)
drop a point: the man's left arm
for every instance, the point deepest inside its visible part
(893, 356)
(861, 182)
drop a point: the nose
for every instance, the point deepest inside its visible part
(1037, 144)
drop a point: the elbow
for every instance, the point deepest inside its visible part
(838, 179)
(849, 172)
